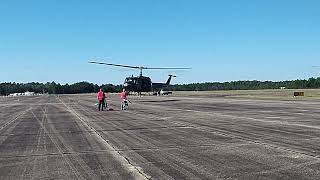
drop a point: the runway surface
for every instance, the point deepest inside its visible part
(65, 137)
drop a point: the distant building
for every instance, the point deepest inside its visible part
(15, 94)
(22, 94)
(28, 94)
(282, 87)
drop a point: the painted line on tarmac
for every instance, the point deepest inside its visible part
(14, 119)
(136, 171)
(56, 144)
(274, 117)
(30, 104)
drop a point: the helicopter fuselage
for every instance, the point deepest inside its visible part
(138, 84)
(143, 84)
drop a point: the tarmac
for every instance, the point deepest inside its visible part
(65, 137)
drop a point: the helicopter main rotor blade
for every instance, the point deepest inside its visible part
(134, 67)
(164, 68)
(118, 65)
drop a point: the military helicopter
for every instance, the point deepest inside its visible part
(141, 83)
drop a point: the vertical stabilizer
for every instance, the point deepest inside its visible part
(169, 79)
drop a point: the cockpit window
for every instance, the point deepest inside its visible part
(129, 80)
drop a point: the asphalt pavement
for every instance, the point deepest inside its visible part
(66, 137)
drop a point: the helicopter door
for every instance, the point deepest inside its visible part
(146, 85)
(139, 85)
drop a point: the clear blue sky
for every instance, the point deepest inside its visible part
(222, 40)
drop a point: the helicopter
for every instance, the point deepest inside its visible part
(141, 83)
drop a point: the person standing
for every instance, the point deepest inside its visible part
(123, 95)
(124, 101)
(104, 100)
(100, 97)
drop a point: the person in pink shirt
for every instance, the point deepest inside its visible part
(101, 97)
(123, 95)
(124, 101)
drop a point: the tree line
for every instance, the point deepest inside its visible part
(249, 85)
(56, 88)
(86, 87)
